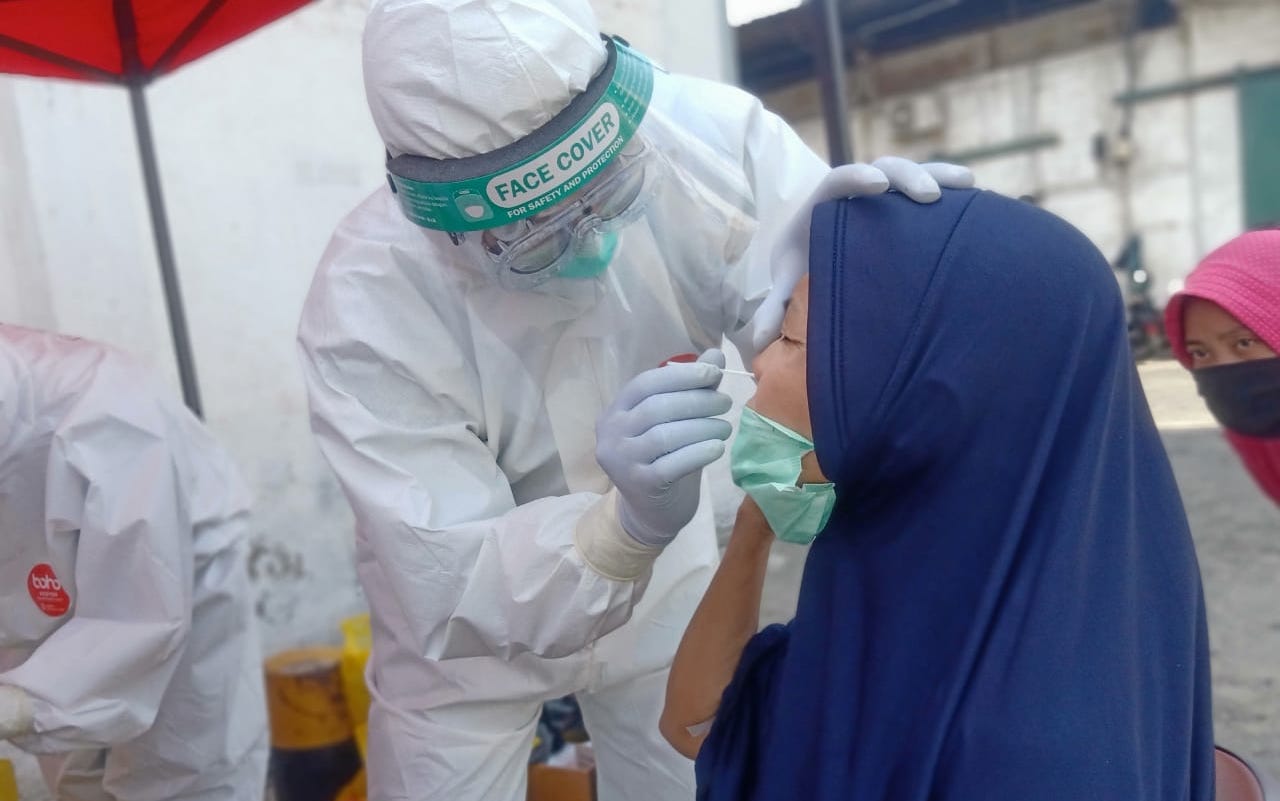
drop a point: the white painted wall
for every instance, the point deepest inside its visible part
(1185, 193)
(263, 147)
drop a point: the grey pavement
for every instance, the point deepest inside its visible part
(1237, 534)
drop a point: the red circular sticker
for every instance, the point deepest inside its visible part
(46, 591)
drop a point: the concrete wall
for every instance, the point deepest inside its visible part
(263, 147)
(1182, 191)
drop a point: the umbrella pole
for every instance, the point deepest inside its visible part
(164, 250)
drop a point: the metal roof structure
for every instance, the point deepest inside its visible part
(779, 50)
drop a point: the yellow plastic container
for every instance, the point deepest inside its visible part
(313, 746)
(357, 641)
(305, 700)
(357, 790)
(362, 738)
(8, 782)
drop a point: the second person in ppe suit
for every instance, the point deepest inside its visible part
(480, 346)
(129, 660)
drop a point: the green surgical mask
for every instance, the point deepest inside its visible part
(591, 259)
(766, 465)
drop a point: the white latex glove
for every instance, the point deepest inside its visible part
(654, 441)
(923, 183)
(15, 712)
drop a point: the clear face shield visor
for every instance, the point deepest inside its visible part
(552, 203)
(554, 196)
(538, 246)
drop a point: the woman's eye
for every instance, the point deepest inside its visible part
(1197, 354)
(1245, 343)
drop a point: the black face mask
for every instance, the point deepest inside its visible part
(1244, 397)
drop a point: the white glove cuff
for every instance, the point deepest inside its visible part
(606, 547)
(15, 712)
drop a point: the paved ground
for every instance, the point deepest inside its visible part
(1237, 533)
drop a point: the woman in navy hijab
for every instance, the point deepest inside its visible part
(1005, 603)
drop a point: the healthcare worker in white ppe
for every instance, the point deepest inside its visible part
(129, 661)
(482, 344)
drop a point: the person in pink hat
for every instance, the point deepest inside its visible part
(1224, 326)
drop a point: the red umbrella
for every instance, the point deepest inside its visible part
(132, 42)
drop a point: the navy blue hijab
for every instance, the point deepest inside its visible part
(1005, 605)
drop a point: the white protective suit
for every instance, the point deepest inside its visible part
(125, 612)
(459, 417)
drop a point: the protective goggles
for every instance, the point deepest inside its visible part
(540, 172)
(614, 199)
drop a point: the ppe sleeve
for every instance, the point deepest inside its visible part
(113, 488)
(15, 712)
(782, 172)
(399, 416)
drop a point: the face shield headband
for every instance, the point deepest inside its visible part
(528, 176)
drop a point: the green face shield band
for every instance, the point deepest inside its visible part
(544, 168)
(765, 463)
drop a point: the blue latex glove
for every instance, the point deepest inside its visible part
(654, 441)
(923, 183)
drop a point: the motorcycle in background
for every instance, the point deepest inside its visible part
(1145, 321)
